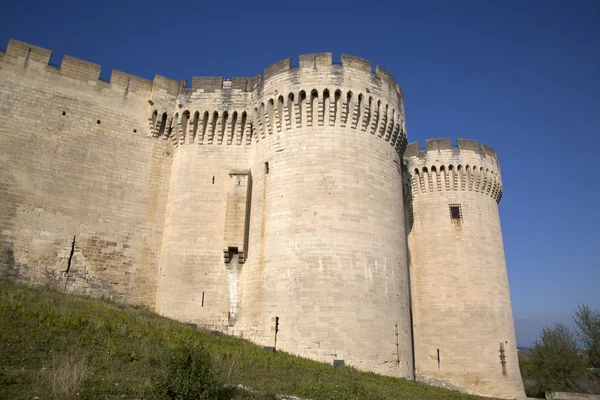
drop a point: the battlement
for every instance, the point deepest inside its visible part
(30, 56)
(442, 166)
(210, 84)
(345, 94)
(325, 60)
(86, 71)
(437, 145)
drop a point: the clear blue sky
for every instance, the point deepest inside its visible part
(520, 76)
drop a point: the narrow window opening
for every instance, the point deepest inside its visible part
(266, 167)
(128, 82)
(202, 299)
(455, 212)
(213, 180)
(438, 358)
(64, 113)
(28, 54)
(98, 122)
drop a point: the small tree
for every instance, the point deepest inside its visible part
(188, 375)
(588, 324)
(554, 362)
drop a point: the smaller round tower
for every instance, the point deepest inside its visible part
(462, 316)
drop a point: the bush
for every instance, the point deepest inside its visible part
(188, 375)
(588, 324)
(554, 363)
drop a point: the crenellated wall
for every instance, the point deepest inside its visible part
(482, 175)
(84, 188)
(462, 314)
(232, 202)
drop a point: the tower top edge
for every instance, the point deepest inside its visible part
(84, 70)
(436, 146)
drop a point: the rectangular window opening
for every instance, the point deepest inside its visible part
(455, 212)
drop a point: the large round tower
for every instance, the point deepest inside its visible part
(327, 241)
(462, 316)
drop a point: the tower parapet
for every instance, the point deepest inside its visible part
(318, 92)
(443, 167)
(321, 93)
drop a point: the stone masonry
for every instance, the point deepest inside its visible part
(289, 196)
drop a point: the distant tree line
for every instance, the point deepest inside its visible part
(556, 363)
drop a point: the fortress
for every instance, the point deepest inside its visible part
(288, 198)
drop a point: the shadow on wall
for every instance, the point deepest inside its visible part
(408, 202)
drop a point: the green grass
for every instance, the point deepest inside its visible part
(127, 349)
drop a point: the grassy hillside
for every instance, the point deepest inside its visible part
(109, 351)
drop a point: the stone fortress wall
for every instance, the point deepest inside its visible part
(229, 203)
(83, 189)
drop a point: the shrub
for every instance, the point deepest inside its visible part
(188, 375)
